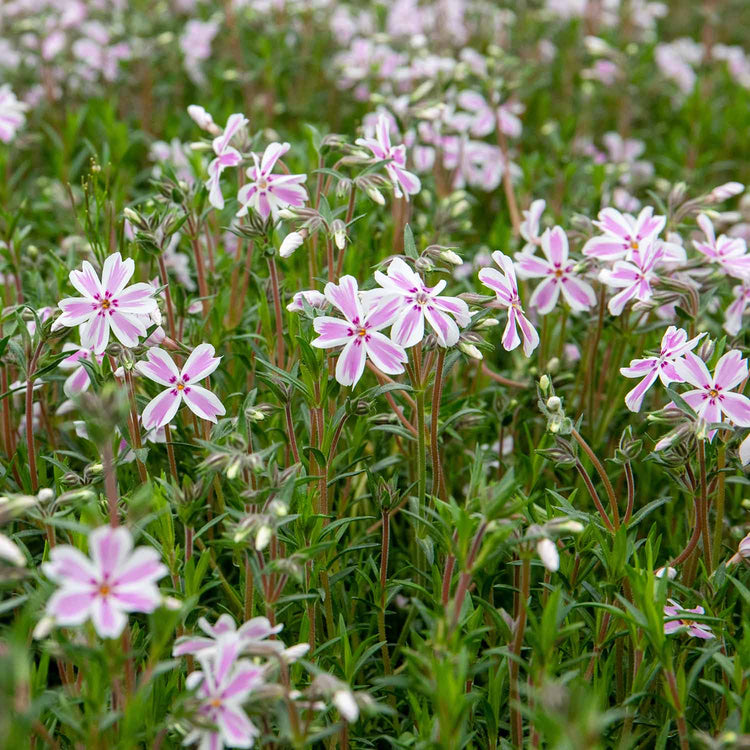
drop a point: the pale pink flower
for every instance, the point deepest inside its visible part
(117, 579)
(12, 114)
(268, 193)
(736, 310)
(181, 385)
(623, 234)
(418, 303)
(530, 225)
(108, 304)
(226, 156)
(223, 685)
(635, 278)
(405, 183)
(78, 381)
(712, 397)
(251, 633)
(203, 119)
(675, 621)
(359, 333)
(313, 298)
(505, 287)
(728, 252)
(559, 274)
(674, 345)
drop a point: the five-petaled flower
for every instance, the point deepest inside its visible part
(420, 302)
(182, 385)
(635, 278)
(675, 621)
(728, 252)
(674, 345)
(559, 274)
(116, 580)
(252, 632)
(226, 156)
(405, 183)
(359, 333)
(108, 304)
(712, 395)
(505, 287)
(268, 193)
(222, 686)
(623, 234)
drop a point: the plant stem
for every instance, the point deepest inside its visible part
(437, 392)
(110, 482)
(719, 503)
(602, 474)
(516, 721)
(135, 430)
(384, 549)
(681, 723)
(277, 311)
(30, 449)
(167, 298)
(703, 507)
(170, 453)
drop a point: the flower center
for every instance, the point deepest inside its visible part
(634, 245)
(713, 393)
(104, 589)
(216, 702)
(262, 183)
(558, 273)
(422, 299)
(362, 332)
(105, 304)
(180, 386)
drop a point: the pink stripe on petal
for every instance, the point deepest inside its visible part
(70, 606)
(192, 645)
(109, 548)
(86, 281)
(545, 296)
(273, 152)
(408, 328)
(495, 281)
(618, 302)
(237, 729)
(331, 332)
(68, 564)
(143, 566)
(95, 333)
(137, 299)
(530, 336)
(75, 310)
(138, 598)
(161, 410)
(126, 328)
(530, 266)
(510, 339)
(116, 273)
(730, 370)
(444, 326)
(736, 407)
(385, 311)
(693, 370)
(245, 678)
(109, 621)
(579, 294)
(604, 248)
(203, 403)
(385, 355)
(351, 363)
(639, 367)
(634, 398)
(344, 296)
(201, 363)
(77, 382)
(555, 245)
(159, 367)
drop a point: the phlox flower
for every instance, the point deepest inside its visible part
(226, 156)
(558, 272)
(405, 183)
(12, 114)
(696, 629)
(268, 193)
(313, 297)
(223, 684)
(635, 278)
(419, 302)
(622, 234)
(736, 310)
(674, 345)
(712, 396)
(181, 386)
(359, 333)
(108, 304)
(117, 579)
(252, 632)
(728, 252)
(505, 287)
(78, 380)
(203, 119)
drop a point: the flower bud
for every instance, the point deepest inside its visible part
(544, 384)
(667, 571)
(339, 233)
(554, 403)
(43, 628)
(470, 350)
(263, 537)
(375, 195)
(725, 192)
(548, 554)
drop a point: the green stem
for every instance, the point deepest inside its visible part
(719, 503)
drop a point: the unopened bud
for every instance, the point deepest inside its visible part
(263, 537)
(375, 195)
(554, 403)
(470, 350)
(544, 383)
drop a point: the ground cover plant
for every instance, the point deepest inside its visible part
(372, 374)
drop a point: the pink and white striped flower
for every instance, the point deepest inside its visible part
(78, 381)
(505, 287)
(712, 397)
(253, 632)
(676, 622)
(420, 302)
(226, 156)
(674, 345)
(405, 183)
(313, 297)
(530, 225)
(223, 684)
(558, 272)
(634, 278)
(268, 193)
(359, 333)
(736, 310)
(115, 580)
(107, 304)
(730, 253)
(623, 234)
(181, 386)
